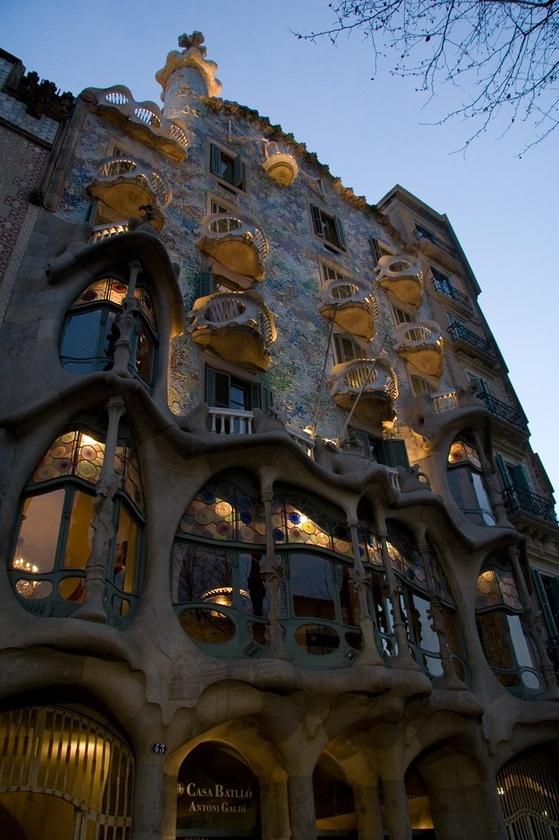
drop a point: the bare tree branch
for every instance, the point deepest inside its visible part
(502, 55)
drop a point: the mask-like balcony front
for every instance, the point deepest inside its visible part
(402, 276)
(237, 326)
(236, 242)
(280, 165)
(125, 184)
(421, 345)
(350, 305)
(366, 386)
(141, 120)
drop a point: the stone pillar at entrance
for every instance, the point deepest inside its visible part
(148, 801)
(396, 809)
(274, 811)
(301, 807)
(367, 809)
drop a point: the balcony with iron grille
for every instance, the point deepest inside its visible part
(421, 345)
(402, 276)
(141, 120)
(444, 288)
(236, 241)
(124, 184)
(526, 508)
(350, 305)
(435, 246)
(237, 326)
(506, 419)
(367, 387)
(472, 343)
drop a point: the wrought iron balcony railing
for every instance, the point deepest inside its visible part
(525, 501)
(429, 236)
(458, 332)
(445, 287)
(503, 411)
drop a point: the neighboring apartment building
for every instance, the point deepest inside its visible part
(278, 558)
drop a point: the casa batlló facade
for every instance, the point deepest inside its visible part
(278, 560)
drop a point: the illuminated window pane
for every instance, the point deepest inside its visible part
(33, 589)
(80, 534)
(38, 534)
(72, 589)
(126, 552)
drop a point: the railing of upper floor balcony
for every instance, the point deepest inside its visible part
(445, 287)
(115, 167)
(444, 401)
(519, 500)
(502, 410)
(102, 232)
(423, 233)
(218, 224)
(147, 113)
(458, 332)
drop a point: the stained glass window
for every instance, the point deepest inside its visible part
(496, 586)
(461, 451)
(223, 510)
(91, 330)
(297, 520)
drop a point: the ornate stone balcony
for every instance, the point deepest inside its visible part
(101, 232)
(236, 241)
(280, 164)
(124, 184)
(421, 345)
(142, 120)
(351, 306)
(238, 326)
(402, 276)
(367, 386)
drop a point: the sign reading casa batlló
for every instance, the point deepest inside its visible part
(217, 795)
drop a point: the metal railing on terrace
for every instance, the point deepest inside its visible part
(445, 287)
(423, 233)
(458, 332)
(525, 501)
(502, 410)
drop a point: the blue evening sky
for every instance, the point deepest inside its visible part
(369, 132)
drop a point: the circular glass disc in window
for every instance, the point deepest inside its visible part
(530, 680)
(317, 639)
(209, 626)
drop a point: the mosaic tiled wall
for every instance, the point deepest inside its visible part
(292, 281)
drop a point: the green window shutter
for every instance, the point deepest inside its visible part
(210, 386)
(317, 220)
(340, 235)
(392, 453)
(261, 396)
(205, 283)
(238, 172)
(519, 478)
(215, 159)
(503, 472)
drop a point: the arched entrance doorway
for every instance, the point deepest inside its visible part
(333, 799)
(528, 792)
(217, 795)
(63, 776)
